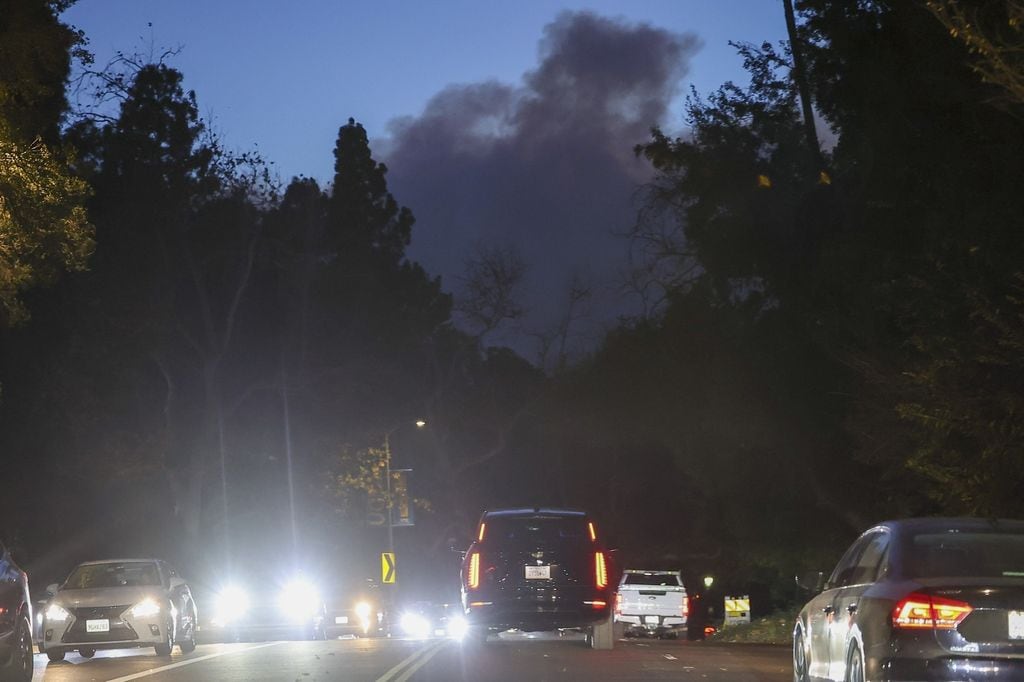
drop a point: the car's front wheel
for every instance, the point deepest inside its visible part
(19, 667)
(164, 647)
(855, 665)
(799, 658)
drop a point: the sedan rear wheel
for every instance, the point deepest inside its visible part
(55, 655)
(86, 652)
(855, 665)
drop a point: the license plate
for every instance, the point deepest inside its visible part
(650, 620)
(1016, 624)
(538, 572)
(341, 620)
(100, 625)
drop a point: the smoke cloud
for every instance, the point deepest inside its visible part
(546, 166)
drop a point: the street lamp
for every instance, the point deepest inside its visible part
(419, 424)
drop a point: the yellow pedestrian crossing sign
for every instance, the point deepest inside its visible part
(387, 568)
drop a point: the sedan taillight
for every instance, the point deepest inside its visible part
(918, 610)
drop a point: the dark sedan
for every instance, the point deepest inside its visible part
(538, 569)
(919, 599)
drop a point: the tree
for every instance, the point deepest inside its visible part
(44, 228)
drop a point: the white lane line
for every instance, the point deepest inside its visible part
(190, 661)
(409, 660)
(671, 657)
(420, 663)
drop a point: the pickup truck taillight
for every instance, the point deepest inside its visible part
(685, 608)
(600, 570)
(618, 604)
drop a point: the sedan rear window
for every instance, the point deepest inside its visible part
(115, 574)
(985, 555)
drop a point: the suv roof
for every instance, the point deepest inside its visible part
(533, 511)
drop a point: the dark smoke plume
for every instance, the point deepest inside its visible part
(545, 167)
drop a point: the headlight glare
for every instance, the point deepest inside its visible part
(299, 599)
(363, 609)
(56, 613)
(230, 605)
(146, 608)
(457, 627)
(415, 625)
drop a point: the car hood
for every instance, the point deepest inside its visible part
(105, 596)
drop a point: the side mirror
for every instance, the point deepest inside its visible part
(177, 582)
(813, 581)
(51, 589)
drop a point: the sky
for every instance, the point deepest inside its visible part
(503, 125)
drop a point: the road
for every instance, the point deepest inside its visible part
(511, 656)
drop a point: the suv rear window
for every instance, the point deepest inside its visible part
(536, 529)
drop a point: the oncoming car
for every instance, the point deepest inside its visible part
(119, 603)
(266, 608)
(538, 569)
(919, 599)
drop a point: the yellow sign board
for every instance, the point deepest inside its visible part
(387, 568)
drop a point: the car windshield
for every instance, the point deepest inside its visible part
(537, 529)
(658, 579)
(113, 574)
(984, 554)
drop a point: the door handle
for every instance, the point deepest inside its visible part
(828, 609)
(851, 609)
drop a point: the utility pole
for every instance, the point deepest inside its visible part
(800, 77)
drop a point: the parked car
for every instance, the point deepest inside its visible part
(264, 607)
(652, 603)
(918, 599)
(116, 604)
(357, 610)
(538, 569)
(15, 621)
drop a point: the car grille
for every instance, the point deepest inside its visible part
(119, 630)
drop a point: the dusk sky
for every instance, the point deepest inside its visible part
(503, 124)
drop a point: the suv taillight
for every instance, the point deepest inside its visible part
(918, 610)
(600, 570)
(473, 574)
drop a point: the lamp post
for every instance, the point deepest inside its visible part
(419, 423)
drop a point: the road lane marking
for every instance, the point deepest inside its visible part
(190, 661)
(671, 657)
(410, 660)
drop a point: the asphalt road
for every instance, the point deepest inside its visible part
(514, 657)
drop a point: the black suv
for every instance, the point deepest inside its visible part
(15, 621)
(537, 569)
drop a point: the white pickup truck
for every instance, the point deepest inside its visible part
(652, 603)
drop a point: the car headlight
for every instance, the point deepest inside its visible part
(146, 608)
(56, 613)
(457, 627)
(230, 605)
(299, 599)
(363, 609)
(415, 625)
